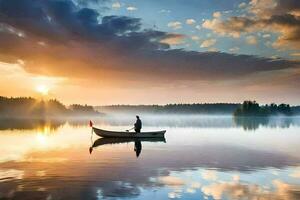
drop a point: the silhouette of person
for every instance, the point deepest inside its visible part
(138, 125)
(137, 147)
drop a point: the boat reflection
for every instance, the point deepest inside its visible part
(137, 143)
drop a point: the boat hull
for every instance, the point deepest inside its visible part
(118, 134)
(105, 141)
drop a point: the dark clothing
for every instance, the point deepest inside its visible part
(138, 126)
(137, 130)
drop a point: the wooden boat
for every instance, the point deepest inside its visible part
(124, 134)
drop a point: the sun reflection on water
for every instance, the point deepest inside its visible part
(212, 163)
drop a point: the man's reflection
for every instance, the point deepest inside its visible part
(137, 143)
(137, 148)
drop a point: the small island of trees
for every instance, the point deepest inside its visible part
(252, 109)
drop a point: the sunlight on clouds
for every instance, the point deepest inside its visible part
(234, 49)
(208, 43)
(190, 21)
(175, 39)
(195, 37)
(14, 74)
(242, 5)
(171, 181)
(175, 194)
(275, 16)
(191, 190)
(195, 185)
(295, 173)
(10, 174)
(236, 178)
(217, 14)
(131, 8)
(295, 54)
(175, 25)
(209, 175)
(116, 5)
(251, 40)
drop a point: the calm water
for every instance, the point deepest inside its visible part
(202, 158)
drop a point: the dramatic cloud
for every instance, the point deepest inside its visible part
(58, 38)
(277, 16)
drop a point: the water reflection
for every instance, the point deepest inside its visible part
(137, 142)
(185, 121)
(29, 124)
(197, 162)
(253, 123)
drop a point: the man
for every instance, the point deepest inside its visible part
(138, 125)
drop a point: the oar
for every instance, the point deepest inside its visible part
(129, 129)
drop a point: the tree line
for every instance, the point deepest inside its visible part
(252, 108)
(195, 108)
(247, 108)
(21, 107)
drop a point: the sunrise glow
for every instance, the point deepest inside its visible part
(42, 89)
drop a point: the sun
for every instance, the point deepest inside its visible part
(42, 89)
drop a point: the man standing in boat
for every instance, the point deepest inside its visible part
(138, 125)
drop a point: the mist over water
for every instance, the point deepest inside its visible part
(202, 157)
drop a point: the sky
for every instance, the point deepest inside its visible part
(104, 52)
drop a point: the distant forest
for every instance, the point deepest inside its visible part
(27, 107)
(197, 108)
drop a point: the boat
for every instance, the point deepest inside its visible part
(126, 134)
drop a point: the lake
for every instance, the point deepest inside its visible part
(202, 157)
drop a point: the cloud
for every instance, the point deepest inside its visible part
(242, 5)
(296, 173)
(208, 43)
(234, 49)
(209, 175)
(116, 5)
(236, 190)
(175, 25)
(217, 14)
(266, 36)
(251, 40)
(171, 181)
(276, 16)
(173, 39)
(174, 195)
(190, 21)
(195, 37)
(165, 11)
(233, 27)
(96, 47)
(131, 8)
(295, 54)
